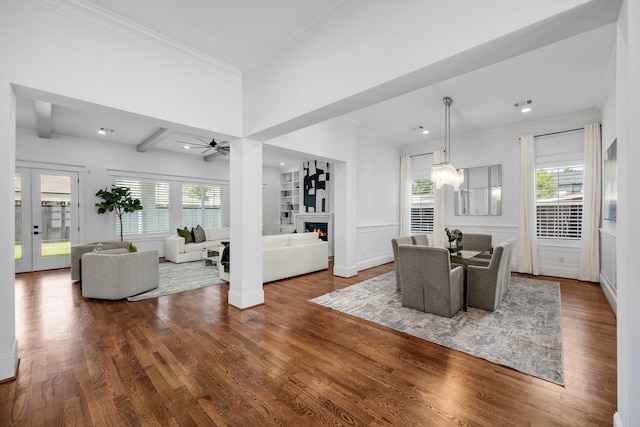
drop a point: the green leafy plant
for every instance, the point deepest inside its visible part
(117, 199)
(132, 247)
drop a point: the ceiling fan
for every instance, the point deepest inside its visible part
(221, 147)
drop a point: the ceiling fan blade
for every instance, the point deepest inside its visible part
(193, 144)
(205, 151)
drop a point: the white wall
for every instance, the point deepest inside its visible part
(270, 200)
(378, 189)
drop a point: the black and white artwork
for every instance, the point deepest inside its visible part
(316, 186)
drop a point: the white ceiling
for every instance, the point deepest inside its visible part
(564, 78)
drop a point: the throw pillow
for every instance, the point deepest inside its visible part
(188, 238)
(199, 234)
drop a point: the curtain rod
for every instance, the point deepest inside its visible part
(555, 133)
(423, 154)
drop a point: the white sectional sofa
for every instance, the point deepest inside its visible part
(288, 255)
(175, 249)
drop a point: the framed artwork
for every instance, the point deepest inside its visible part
(610, 182)
(316, 186)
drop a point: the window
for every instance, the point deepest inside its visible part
(154, 217)
(201, 205)
(559, 194)
(421, 206)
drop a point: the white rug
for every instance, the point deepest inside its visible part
(524, 333)
(175, 278)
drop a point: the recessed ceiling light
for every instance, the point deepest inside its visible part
(104, 131)
(281, 163)
(420, 129)
(186, 147)
(525, 110)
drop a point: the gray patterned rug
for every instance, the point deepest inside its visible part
(525, 333)
(175, 278)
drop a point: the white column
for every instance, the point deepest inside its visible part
(627, 231)
(8, 342)
(245, 288)
(344, 220)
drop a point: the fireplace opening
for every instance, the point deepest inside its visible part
(320, 227)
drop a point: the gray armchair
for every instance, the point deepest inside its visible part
(487, 285)
(478, 242)
(112, 275)
(78, 250)
(394, 244)
(429, 283)
(420, 239)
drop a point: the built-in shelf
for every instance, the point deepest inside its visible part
(289, 200)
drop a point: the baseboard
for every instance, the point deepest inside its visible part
(610, 293)
(345, 271)
(9, 363)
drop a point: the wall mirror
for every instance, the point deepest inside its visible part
(481, 192)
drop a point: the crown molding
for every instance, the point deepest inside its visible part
(96, 17)
(303, 36)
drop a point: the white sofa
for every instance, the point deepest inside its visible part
(175, 249)
(288, 255)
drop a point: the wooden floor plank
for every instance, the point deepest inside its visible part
(191, 359)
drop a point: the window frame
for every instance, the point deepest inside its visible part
(142, 216)
(546, 240)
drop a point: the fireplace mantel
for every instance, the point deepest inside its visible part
(301, 218)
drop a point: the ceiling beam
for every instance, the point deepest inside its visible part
(43, 119)
(156, 138)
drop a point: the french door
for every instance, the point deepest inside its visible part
(46, 218)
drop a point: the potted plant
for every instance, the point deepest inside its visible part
(117, 199)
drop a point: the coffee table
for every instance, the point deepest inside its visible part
(211, 256)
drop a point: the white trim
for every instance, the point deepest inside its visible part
(609, 292)
(9, 363)
(617, 422)
(50, 166)
(167, 177)
(610, 233)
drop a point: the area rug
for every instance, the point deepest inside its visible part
(524, 333)
(186, 276)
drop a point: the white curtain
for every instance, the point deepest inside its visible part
(527, 243)
(590, 244)
(439, 206)
(405, 195)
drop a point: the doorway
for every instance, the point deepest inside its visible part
(46, 218)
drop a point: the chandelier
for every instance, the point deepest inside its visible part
(445, 173)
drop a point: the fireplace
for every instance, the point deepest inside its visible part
(322, 228)
(316, 221)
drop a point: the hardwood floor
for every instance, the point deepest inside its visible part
(191, 359)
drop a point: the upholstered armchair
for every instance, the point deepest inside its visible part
(394, 244)
(429, 283)
(478, 242)
(78, 250)
(420, 239)
(116, 275)
(486, 286)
